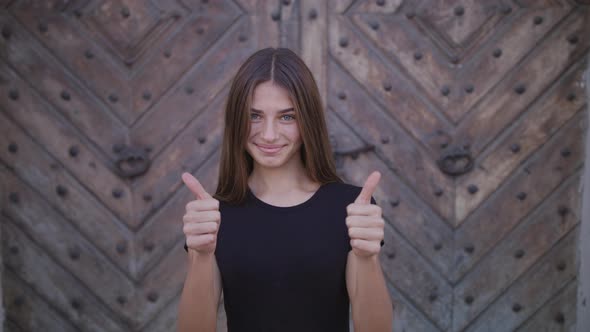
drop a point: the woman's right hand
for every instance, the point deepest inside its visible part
(202, 218)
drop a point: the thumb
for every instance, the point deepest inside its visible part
(194, 186)
(368, 188)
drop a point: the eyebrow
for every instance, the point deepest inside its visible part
(280, 112)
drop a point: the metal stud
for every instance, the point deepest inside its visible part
(394, 202)
(149, 246)
(571, 96)
(432, 297)
(242, 38)
(572, 39)
(146, 95)
(516, 307)
(472, 189)
(275, 15)
(189, 90)
(121, 247)
(12, 147)
(374, 25)
(200, 30)
(152, 296)
(88, 54)
(74, 151)
(19, 300)
(118, 147)
(202, 139)
(459, 11)
(515, 147)
(65, 95)
(469, 248)
(410, 15)
(74, 253)
(147, 197)
(121, 299)
(6, 32)
(469, 88)
(469, 299)
(521, 195)
(313, 14)
(76, 304)
(343, 42)
(341, 95)
(563, 210)
(455, 59)
(14, 197)
(497, 53)
(167, 54)
(117, 193)
(438, 192)
(13, 250)
(418, 56)
(566, 152)
(286, 2)
(384, 139)
(561, 266)
(538, 20)
(125, 12)
(113, 98)
(390, 255)
(519, 254)
(13, 94)
(445, 90)
(559, 317)
(520, 88)
(42, 26)
(437, 246)
(61, 190)
(387, 86)
(506, 10)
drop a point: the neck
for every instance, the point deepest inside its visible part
(278, 180)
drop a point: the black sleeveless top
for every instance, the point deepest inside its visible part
(283, 268)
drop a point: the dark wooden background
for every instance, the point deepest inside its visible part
(472, 110)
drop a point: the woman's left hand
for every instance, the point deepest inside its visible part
(365, 222)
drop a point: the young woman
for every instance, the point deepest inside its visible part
(287, 242)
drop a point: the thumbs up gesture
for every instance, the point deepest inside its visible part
(202, 218)
(365, 222)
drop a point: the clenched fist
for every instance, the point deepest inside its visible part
(202, 218)
(364, 221)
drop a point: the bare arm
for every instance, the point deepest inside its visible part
(371, 306)
(201, 294)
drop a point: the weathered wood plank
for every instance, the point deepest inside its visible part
(56, 285)
(266, 23)
(531, 239)
(537, 178)
(549, 317)
(32, 164)
(314, 42)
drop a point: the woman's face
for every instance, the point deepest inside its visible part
(274, 138)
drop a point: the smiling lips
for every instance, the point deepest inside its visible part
(270, 149)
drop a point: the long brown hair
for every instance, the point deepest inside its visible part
(284, 68)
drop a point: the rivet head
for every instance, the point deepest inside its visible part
(438, 192)
(117, 193)
(497, 53)
(19, 300)
(189, 90)
(521, 195)
(149, 246)
(387, 86)
(76, 304)
(572, 39)
(200, 30)
(275, 15)
(571, 96)
(147, 197)
(384, 139)
(202, 139)
(410, 15)
(13, 94)
(380, 3)
(519, 253)
(560, 266)
(468, 299)
(74, 150)
(390, 255)
(394, 202)
(469, 248)
(121, 247)
(74, 253)
(520, 89)
(538, 20)
(432, 297)
(563, 210)
(455, 59)
(42, 26)
(437, 246)
(13, 197)
(125, 12)
(506, 10)
(65, 95)
(118, 147)
(343, 42)
(374, 25)
(559, 317)
(472, 189)
(14, 250)
(121, 299)
(566, 152)
(242, 38)
(515, 147)
(113, 98)
(61, 190)
(88, 54)
(146, 95)
(459, 11)
(6, 32)
(341, 95)
(445, 90)
(286, 2)
(516, 307)
(418, 56)
(313, 14)
(12, 147)
(152, 296)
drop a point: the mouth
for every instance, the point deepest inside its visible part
(269, 150)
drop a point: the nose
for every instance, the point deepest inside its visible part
(269, 132)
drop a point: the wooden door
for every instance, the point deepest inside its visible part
(472, 111)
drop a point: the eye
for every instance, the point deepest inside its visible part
(252, 115)
(292, 117)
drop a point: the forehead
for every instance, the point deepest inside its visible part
(270, 97)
